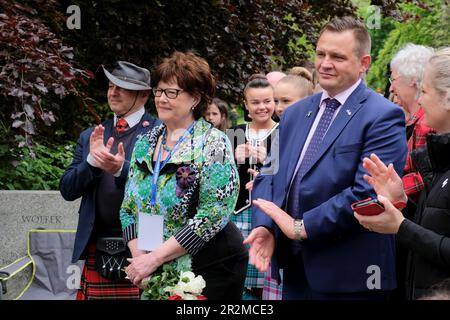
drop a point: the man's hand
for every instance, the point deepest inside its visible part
(102, 155)
(262, 245)
(96, 139)
(384, 180)
(283, 220)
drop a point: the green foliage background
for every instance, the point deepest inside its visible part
(39, 168)
(426, 23)
(48, 92)
(237, 38)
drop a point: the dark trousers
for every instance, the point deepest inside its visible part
(296, 286)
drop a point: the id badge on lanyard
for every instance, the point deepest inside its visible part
(151, 226)
(159, 166)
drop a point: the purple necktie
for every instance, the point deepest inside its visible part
(293, 205)
(294, 200)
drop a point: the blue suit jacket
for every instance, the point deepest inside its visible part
(80, 180)
(338, 252)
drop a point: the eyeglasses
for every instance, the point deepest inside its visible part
(392, 79)
(170, 93)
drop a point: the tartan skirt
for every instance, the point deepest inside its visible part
(271, 290)
(94, 287)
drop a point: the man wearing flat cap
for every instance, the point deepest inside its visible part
(97, 174)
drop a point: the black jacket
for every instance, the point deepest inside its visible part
(428, 237)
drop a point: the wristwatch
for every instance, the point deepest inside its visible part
(298, 226)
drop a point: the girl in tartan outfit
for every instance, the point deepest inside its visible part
(252, 143)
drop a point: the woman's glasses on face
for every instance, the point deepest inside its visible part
(170, 93)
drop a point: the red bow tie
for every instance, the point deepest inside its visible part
(121, 125)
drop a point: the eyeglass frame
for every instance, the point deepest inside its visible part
(392, 79)
(169, 96)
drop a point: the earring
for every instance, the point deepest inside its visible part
(193, 107)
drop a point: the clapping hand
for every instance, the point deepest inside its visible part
(244, 151)
(102, 155)
(389, 187)
(384, 180)
(283, 220)
(262, 245)
(259, 153)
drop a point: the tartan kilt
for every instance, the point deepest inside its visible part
(271, 290)
(243, 221)
(94, 287)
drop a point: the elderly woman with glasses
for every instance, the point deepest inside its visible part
(426, 236)
(183, 186)
(407, 69)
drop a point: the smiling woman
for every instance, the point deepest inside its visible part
(252, 142)
(427, 236)
(183, 176)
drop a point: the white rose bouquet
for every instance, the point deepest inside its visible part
(174, 281)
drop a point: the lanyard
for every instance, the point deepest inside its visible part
(159, 166)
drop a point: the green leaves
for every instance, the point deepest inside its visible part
(424, 23)
(44, 66)
(166, 276)
(39, 168)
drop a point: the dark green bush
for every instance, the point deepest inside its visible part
(39, 168)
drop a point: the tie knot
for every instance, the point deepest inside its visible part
(332, 104)
(121, 125)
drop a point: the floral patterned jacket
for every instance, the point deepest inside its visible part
(196, 190)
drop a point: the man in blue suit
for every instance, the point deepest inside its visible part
(99, 170)
(302, 215)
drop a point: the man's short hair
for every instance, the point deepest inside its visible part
(362, 36)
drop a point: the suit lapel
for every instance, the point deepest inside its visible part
(108, 130)
(346, 113)
(306, 119)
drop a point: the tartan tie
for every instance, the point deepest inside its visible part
(293, 206)
(121, 125)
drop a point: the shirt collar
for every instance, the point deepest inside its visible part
(416, 116)
(134, 118)
(341, 96)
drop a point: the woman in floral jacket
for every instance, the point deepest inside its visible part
(183, 173)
